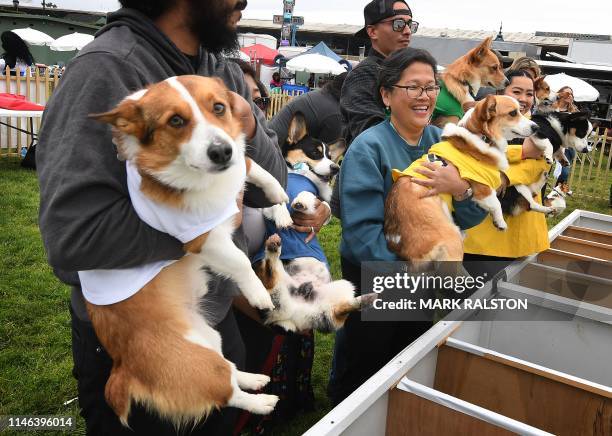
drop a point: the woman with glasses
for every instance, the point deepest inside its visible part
(408, 90)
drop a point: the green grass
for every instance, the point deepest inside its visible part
(35, 345)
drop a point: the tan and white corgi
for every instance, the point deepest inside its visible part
(186, 170)
(465, 76)
(544, 96)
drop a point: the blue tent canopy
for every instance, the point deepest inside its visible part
(324, 50)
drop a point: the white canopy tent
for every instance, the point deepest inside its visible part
(315, 63)
(583, 91)
(72, 41)
(33, 36)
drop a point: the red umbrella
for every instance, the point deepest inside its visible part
(260, 52)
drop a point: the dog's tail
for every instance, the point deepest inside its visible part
(342, 310)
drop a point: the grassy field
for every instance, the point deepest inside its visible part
(35, 346)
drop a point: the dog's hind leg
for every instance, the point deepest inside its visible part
(533, 205)
(260, 404)
(223, 257)
(485, 197)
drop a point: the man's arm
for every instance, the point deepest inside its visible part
(359, 101)
(86, 218)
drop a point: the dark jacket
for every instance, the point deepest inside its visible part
(321, 111)
(86, 217)
(360, 103)
(360, 107)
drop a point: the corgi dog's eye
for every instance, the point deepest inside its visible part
(513, 113)
(176, 121)
(219, 109)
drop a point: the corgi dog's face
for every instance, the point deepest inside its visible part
(499, 118)
(574, 129)
(486, 65)
(544, 95)
(320, 157)
(180, 131)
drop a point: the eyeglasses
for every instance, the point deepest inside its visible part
(399, 24)
(241, 5)
(262, 103)
(414, 91)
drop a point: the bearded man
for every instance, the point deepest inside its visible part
(86, 218)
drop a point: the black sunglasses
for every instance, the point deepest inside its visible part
(241, 5)
(399, 24)
(262, 102)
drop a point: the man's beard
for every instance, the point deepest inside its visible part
(210, 21)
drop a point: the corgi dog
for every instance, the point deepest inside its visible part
(310, 158)
(463, 78)
(422, 229)
(557, 131)
(305, 296)
(544, 96)
(186, 169)
(305, 301)
(556, 199)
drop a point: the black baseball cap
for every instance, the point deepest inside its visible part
(378, 10)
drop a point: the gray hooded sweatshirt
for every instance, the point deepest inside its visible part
(86, 218)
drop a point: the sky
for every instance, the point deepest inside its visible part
(584, 16)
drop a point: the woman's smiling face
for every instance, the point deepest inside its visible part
(521, 88)
(412, 111)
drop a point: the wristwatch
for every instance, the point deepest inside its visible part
(467, 194)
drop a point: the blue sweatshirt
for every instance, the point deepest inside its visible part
(293, 241)
(365, 182)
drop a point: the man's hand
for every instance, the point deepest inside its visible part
(530, 151)
(441, 179)
(311, 223)
(242, 110)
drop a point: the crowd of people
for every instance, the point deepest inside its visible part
(382, 109)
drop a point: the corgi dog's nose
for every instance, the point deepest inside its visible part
(220, 153)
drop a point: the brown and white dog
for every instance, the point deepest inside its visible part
(306, 300)
(465, 76)
(181, 139)
(544, 96)
(422, 229)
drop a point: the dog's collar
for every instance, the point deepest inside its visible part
(470, 89)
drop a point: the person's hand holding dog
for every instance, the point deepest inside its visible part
(441, 180)
(311, 223)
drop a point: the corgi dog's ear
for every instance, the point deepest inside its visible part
(487, 109)
(337, 149)
(128, 119)
(484, 111)
(297, 128)
(478, 53)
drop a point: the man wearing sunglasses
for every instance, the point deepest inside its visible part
(389, 27)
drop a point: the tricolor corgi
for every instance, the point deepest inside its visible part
(305, 300)
(422, 229)
(186, 168)
(556, 131)
(464, 77)
(296, 274)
